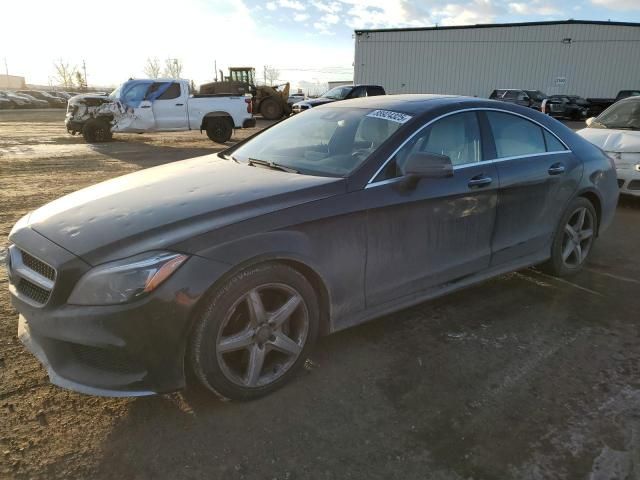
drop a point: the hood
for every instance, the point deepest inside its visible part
(609, 140)
(314, 102)
(90, 99)
(160, 206)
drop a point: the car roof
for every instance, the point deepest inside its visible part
(408, 103)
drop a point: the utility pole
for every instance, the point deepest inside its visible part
(84, 69)
(265, 74)
(6, 67)
(215, 69)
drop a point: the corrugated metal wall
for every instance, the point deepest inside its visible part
(599, 61)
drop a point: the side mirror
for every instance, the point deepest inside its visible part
(427, 165)
(589, 121)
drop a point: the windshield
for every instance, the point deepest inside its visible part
(329, 141)
(338, 93)
(623, 115)
(115, 93)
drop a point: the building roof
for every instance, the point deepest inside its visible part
(500, 25)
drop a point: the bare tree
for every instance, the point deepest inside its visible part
(271, 74)
(152, 67)
(65, 73)
(80, 82)
(172, 68)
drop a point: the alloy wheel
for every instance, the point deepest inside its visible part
(578, 237)
(262, 335)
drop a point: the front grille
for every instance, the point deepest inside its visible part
(104, 359)
(33, 291)
(33, 279)
(634, 185)
(620, 183)
(38, 266)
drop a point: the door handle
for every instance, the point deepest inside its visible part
(179, 104)
(556, 169)
(145, 106)
(480, 181)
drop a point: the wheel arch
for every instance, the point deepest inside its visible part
(594, 198)
(215, 114)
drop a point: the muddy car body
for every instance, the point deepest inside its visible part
(238, 261)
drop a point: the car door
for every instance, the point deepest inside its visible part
(170, 107)
(538, 175)
(438, 230)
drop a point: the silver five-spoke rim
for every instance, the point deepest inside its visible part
(262, 335)
(578, 237)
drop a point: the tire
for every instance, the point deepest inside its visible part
(97, 131)
(219, 129)
(573, 240)
(271, 109)
(240, 355)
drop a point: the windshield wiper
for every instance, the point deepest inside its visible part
(272, 165)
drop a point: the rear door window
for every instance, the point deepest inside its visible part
(172, 92)
(514, 136)
(553, 144)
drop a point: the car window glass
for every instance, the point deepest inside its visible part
(371, 91)
(553, 144)
(136, 92)
(510, 95)
(515, 136)
(456, 136)
(358, 92)
(172, 92)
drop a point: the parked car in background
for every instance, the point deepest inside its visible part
(295, 97)
(53, 102)
(526, 98)
(5, 103)
(32, 102)
(599, 105)
(572, 107)
(160, 105)
(60, 94)
(234, 263)
(343, 92)
(12, 100)
(617, 132)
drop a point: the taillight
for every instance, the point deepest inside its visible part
(249, 105)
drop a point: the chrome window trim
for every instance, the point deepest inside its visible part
(371, 183)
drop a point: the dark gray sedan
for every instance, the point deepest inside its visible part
(233, 264)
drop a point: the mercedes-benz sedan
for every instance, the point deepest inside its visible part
(233, 264)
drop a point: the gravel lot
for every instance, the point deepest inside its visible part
(522, 377)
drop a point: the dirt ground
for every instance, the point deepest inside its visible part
(521, 377)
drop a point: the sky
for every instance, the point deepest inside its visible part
(308, 41)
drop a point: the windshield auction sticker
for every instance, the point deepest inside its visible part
(391, 116)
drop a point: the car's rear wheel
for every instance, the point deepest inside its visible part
(256, 332)
(219, 129)
(573, 239)
(97, 131)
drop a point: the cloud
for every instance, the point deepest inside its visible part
(272, 6)
(618, 4)
(533, 8)
(293, 4)
(301, 17)
(327, 7)
(477, 11)
(324, 24)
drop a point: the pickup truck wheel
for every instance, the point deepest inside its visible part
(97, 131)
(219, 129)
(271, 109)
(256, 332)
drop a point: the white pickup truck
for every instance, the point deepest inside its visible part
(162, 105)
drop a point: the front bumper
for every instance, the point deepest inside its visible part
(629, 182)
(129, 349)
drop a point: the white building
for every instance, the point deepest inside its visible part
(587, 58)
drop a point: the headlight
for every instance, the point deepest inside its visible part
(637, 167)
(125, 280)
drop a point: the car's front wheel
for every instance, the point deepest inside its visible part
(573, 239)
(256, 332)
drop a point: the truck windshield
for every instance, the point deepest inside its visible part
(622, 115)
(337, 93)
(327, 141)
